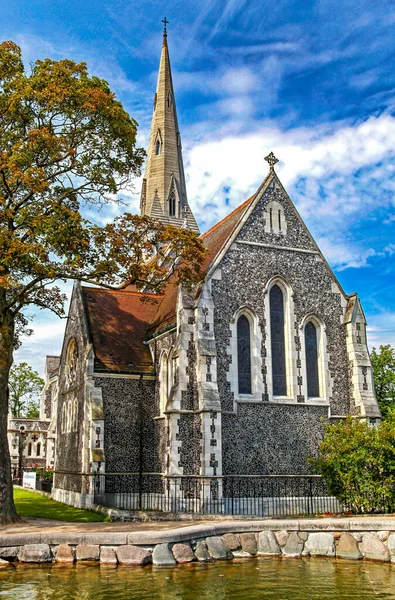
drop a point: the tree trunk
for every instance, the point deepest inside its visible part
(8, 512)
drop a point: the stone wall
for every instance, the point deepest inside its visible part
(269, 436)
(70, 444)
(352, 539)
(129, 410)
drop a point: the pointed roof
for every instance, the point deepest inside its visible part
(213, 240)
(164, 157)
(117, 324)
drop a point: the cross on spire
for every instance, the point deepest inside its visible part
(272, 160)
(165, 23)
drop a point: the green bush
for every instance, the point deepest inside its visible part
(357, 462)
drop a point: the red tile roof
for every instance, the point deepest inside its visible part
(213, 241)
(118, 322)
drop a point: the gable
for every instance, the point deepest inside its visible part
(275, 221)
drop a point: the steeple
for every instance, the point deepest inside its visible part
(163, 193)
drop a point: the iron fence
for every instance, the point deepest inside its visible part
(255, 495)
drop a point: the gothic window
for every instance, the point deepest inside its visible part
(38, 449)
(168, 100)
(275, 221)
(172, 203)
(75, 411)
(244, 355)
(157, 147)
(277, 323)
(170, 373)
(310, 336)
(29, 450)
(163, 383)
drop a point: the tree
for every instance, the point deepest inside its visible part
(66, 143)
(357, 462)
(25, 386)
(383, 363)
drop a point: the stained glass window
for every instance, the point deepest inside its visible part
(310, 337)
(278, 341)
(244, 355)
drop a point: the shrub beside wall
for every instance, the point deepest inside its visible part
(358, 464)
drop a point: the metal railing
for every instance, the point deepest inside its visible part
(259, 495)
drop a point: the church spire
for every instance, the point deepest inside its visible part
(164, 194)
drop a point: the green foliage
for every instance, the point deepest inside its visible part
(31, 504)
(43, 473)
(358, 463)
(383, 362)
(25, 385)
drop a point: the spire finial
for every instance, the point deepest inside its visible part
(165, 24)
(272, 160)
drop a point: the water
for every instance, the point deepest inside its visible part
(272, 578)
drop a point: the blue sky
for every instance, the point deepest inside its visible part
(311, 80)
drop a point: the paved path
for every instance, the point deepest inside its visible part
(38, 525)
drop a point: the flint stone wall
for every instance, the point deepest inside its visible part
(269, 437)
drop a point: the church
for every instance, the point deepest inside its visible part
(237, 378)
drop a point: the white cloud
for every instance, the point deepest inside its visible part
(318, 166)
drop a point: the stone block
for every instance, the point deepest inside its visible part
(248, 543)
(9, 552)
(108, 556)
(163, 556)
(232, 541)
(390, 544)
(183, 553)
(4, 563)
(217, 548)
(347, 547)
(133, 555)
(35, 553)
(373, 548)
(267, 543)
(88, 552)
(281, 537)
(365, 524)
(383, 535)
(326, 524)
(201, 552)
(320, 544)
(294, 545)
(64, 554)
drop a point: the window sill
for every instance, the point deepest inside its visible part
(249, 398)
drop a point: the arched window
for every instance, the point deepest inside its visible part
(63, 424)
(311, 345)
(170, 373)
(38, 449)
(29, 450)
(163, 383)
(75, 417)
(157, 147)
(172, 204)
(277, 323)
(244, 355)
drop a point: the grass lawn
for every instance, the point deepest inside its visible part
(31, 504)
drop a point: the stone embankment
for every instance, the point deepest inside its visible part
(353, 539)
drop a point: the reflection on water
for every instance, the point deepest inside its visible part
(295, 579)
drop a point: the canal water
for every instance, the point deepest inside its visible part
(286, 579)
